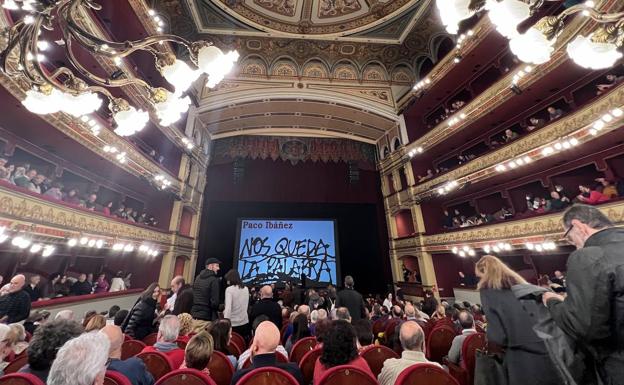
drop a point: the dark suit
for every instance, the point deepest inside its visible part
(15, 306)
(134, 369)
(269, 308)
(353, 301)
(184, 300)
(264, 360)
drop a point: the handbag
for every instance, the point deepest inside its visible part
(489, 369)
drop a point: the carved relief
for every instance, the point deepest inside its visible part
(332, 8)
(283, 7)
(315, 70)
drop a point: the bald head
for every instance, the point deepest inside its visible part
(17, 283)
(266, 338)
(115, 337)
(304, 309)
(412, 336)
(266, 292)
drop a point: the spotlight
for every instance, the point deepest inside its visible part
(99, 243)
(128, 248)
(72, 242)
(91, 243)
(36, 248)
(48, 250)
(84, 241)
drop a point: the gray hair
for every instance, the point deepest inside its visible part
(169, 328)
(349, 281)
(411, 341)
(588, 215)
(314, 316)
(80, 361)
(342, 313)
(65, 314)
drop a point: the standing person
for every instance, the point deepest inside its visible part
(33, 289)
(182, 298)
(592, 313)
(140, 321)
(266, 306)
(510, 325)
(351, 299)
(15, 305)
(236, 304)
(206, 292)
(117, 284)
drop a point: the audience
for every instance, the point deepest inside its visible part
(247, 353)
(351, 299)
(612, 81)
(45, 343)
(339, 348)
(101, 285)
(15, 304)
(183, 296)
(592, 197)
(266, 306)
(186, 326)
(140, 322)
(466, 321)
(133, 368)
(95, 323)
(81, 361)
(300, 330)
(236, 304)
(221, 332)
(168, 332)
(198, 352)
(81, 286)
(263, 348)
(554, 113)
(117, 284)
(364, 333)
(5, 346)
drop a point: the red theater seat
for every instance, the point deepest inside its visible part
(157, 363)
(20, 379)
(425, 374)
(376, 355)
(347, 375)
(464, 374)
(234, 349)
(278, 356)
(186, 377)
(239, 341)
(115, 378)
(150, 339)
(127, 337)
(131, 348)
(17, 363)
(221, 369)
(301, 347)
(267, 376)
(379, 326)
(182, 343)
(307, 363)
(439, 342)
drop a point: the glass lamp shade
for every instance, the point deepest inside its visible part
(40, 103)
(592, 55)
(452, 12)
(171, 110)
(130, 121)
(507, 14)
(222, 67)
(532, 47)
(208, 59)
(180, 75)
(81, 104)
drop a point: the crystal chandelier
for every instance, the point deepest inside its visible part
(601, 49)
(79, 91)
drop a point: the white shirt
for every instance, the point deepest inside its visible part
(388, 304)
(236, 304)
(117, 284)
(171, 301)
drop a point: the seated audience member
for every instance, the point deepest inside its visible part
(81, 361)
(267, 306)
(101, 285)
(16, 338)
(612, 81)
(510, 135)
(247, 353)
(54, 191)
(339, 348)
(263, 348)
(590, 196)
(466, 322)
(36, 319)
(133, 368)
(559, 278)
(5, 346)
(45, 343)
(413, 314)
(25, 180)
(110, 316)
(72, 197)
(388, 302)
(376, 312)
(65, 314)
(608, 188)
(95, 323)
(342, 314)
(555, 202)
(107, 208)
(120, 317)
(316, 316)
(87, 317)
(15, 304)
(166, 340)
(186, 326)
(33, 289)
(221, 332)
(81, 286)
(36, 184)
(300, 330)
(440, 313)
(554, 113)
(535, 123)
(62, 287)
(364, 333)
(198, 352)
(91, 203)
(397, 312)
(412, 340)
(321, 329)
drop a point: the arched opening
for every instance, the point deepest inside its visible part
(444, 47)
(404, 223)
(411, 269)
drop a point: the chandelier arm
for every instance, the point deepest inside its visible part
(597, 16)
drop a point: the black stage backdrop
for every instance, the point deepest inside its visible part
(361, 254)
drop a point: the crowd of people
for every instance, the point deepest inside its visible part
(603, 190)
(543, 337)
(30, 178)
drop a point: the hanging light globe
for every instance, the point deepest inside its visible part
(506, 15)
(171, 110)
(452, 12)
(130, 121)
(179, 75)
(46, 101)
(81, 104)
(222, 67)
(593, 55)
(532, 46)
(208, 58)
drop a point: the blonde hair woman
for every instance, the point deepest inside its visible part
(510, 324)
(198, 352)
(186, 326)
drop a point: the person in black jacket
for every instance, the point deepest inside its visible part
(81, 286)
(351, 299)
(140, 320)
(206, 292)
(33, 289)
(592, 313)
(15, 306)
(184, 300)
(266, 306)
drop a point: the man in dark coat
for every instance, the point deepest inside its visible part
(593, 311)
(206, 292)
(184, 301)
(15, 306)
(81, 286)
(268, 307)
(351, 299)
